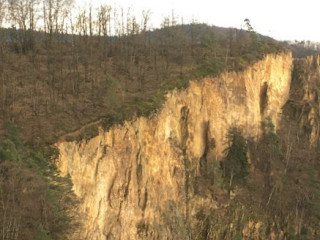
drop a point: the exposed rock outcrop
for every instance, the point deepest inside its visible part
(141, 180)
(305, 96)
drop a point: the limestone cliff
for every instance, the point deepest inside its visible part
(141, 180)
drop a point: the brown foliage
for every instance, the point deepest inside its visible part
(23, 207)
(67, 80)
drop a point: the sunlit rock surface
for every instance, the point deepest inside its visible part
(140, 180)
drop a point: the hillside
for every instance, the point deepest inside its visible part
(303, 48)
(59, 82)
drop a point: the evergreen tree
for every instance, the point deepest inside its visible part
(235, 163)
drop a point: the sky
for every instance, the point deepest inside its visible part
(280, 19)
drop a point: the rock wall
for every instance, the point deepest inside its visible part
(304, 96)
(140, 180)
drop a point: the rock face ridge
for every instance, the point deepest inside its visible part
(305, 96)
(139, 180)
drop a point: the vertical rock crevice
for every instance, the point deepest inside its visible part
(184, 134)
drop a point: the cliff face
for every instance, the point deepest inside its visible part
(142, 180)
(304, 96)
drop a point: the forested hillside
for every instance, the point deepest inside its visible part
(58, 73)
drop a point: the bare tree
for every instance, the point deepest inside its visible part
(18, 13)
(82, 22)
(2, 10)
(104, 27)
(55, 13)
(90, 19)
(145, 20)
(21, 16)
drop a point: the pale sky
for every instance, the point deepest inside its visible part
(280, 19)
